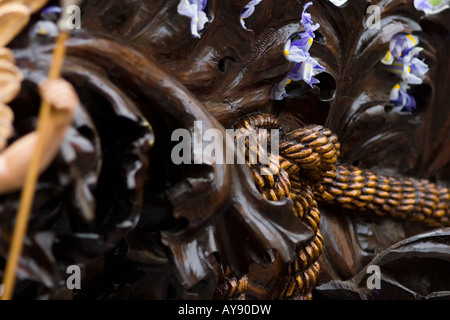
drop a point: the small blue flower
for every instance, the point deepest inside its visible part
(306, 16)
(412, 73)
(411, 70)
(402, 59)
(400, 45)
(279, 91)
(418, 68)
(306, 70)
(307, 21)
(296, 50)
(51, 13)
(249, 9)
(410, 54)
(194, 9)
(44, 29)
(400, 98)
(431, 6)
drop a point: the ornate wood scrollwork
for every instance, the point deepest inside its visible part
(356, 182)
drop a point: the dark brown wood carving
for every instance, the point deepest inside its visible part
(356, 183)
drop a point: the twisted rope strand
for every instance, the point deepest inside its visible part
(306, 170)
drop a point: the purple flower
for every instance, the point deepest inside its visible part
(51, 13)
(44, 29)
(418, 68)
(194, 9)
(400, 45)
(296, 50)
(412, 72)
(306, 17)
(249, 9)
(301, 42)
(409, 55)
(279, 91)
(431, 6)
(306, 70)
(402, 59)
(302, 71)
(400, 97)
(307, 21)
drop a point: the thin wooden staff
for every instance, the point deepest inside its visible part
(27, 195)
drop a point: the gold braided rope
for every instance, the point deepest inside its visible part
(314, 150)
(307, 170)
(230, 287)
(406, 199)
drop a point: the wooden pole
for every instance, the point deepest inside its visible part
(27, 195)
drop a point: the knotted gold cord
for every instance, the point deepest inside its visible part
(307, 171)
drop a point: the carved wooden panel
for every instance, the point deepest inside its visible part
(359, 182)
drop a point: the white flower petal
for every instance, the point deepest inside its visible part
(338, 3)
(202, 20)
(186, 9)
